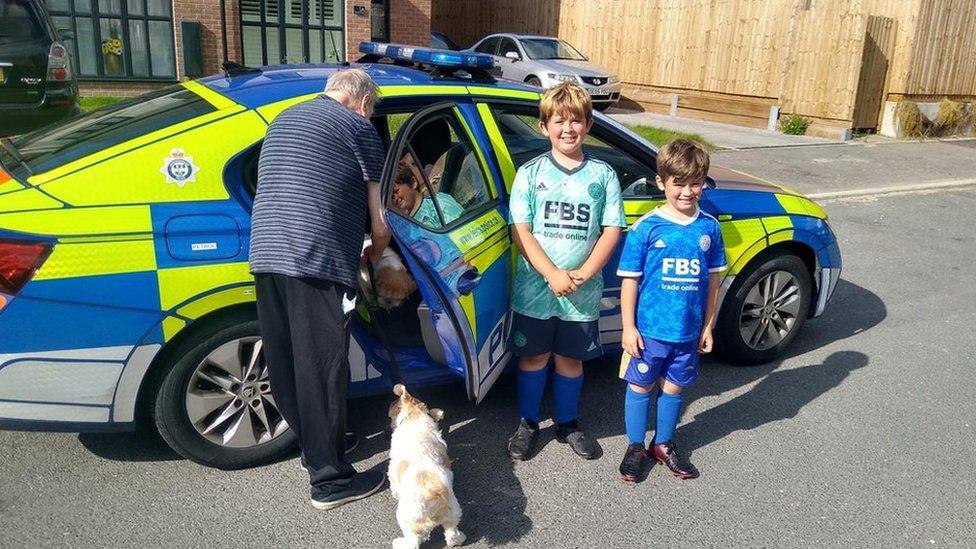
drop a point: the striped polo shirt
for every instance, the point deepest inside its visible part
(310, 209)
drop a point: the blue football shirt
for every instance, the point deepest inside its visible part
(673, 259)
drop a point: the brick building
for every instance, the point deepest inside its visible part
(127, 47)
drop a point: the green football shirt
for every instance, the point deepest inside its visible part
(566, 210)
(426, 214)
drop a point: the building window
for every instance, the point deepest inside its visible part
(292, 31)
(118, 39)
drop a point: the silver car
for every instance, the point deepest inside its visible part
(545, 61)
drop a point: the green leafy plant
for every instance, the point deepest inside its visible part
(794, 125)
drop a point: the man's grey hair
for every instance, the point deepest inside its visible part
(354, 82)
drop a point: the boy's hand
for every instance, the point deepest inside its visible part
(580, 276)
(705, 343)
(632, 341)
(562, 283)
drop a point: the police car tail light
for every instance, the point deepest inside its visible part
(58, 64)
(18, 263)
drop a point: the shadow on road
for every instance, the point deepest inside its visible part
(489, 491)
(777, 395)
(144, 444)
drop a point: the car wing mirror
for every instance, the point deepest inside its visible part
(709, 183)
(514, 56)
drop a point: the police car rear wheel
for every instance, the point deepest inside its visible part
(214, 406)
(764, 310)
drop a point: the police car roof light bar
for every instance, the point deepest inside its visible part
(444, 63)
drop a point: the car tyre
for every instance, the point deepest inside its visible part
(764, 310)
(533, 81)
(172, 406)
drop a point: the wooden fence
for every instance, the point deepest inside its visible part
(832, 60)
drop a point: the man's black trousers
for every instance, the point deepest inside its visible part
(306, 345)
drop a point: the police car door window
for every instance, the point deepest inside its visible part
(519, 127)
(439, 180)
(636, 177)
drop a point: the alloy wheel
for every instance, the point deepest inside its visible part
(769, 311)
(228, 397)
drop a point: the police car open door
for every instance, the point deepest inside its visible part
(445, 211)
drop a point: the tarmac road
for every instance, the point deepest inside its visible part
(862, 437)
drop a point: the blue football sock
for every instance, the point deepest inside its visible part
(668, 409)
(566, 393)
(636, 408)
(531, 386)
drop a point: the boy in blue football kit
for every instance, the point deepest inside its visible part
(669, 288)
(566, 216)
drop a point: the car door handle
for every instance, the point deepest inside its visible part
(468, 281)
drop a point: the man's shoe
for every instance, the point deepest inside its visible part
(360, 486)
(633, 463)
(522, 443)
(677, 464)
(352, 442)
(584, 446)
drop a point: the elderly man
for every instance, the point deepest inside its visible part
(320, 167)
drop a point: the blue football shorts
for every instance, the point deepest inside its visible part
(675, 362)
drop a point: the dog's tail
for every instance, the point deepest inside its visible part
(433, 491)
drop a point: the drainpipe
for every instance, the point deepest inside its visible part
(223, 27)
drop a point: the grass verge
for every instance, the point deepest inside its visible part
(91, 103)
(661, 136)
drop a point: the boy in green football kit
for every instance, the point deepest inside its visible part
(566, 217)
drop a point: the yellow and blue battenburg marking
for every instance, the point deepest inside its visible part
(139, 240)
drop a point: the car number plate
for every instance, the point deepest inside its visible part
(2, 75)
(600, 91)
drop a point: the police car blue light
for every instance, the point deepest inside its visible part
(428, 56)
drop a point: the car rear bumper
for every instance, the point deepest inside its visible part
(58, 104)
(72, 390)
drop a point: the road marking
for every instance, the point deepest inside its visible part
(895, 189)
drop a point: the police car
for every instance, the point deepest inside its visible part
(124, 285)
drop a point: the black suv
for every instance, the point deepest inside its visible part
(37, 86)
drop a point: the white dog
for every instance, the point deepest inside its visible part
(393, 281)
(420, 474)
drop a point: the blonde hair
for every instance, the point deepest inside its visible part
(354, 82)
(682, 159)
(565, 98)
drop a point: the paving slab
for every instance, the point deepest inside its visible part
(855, 166)
(724, 136)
